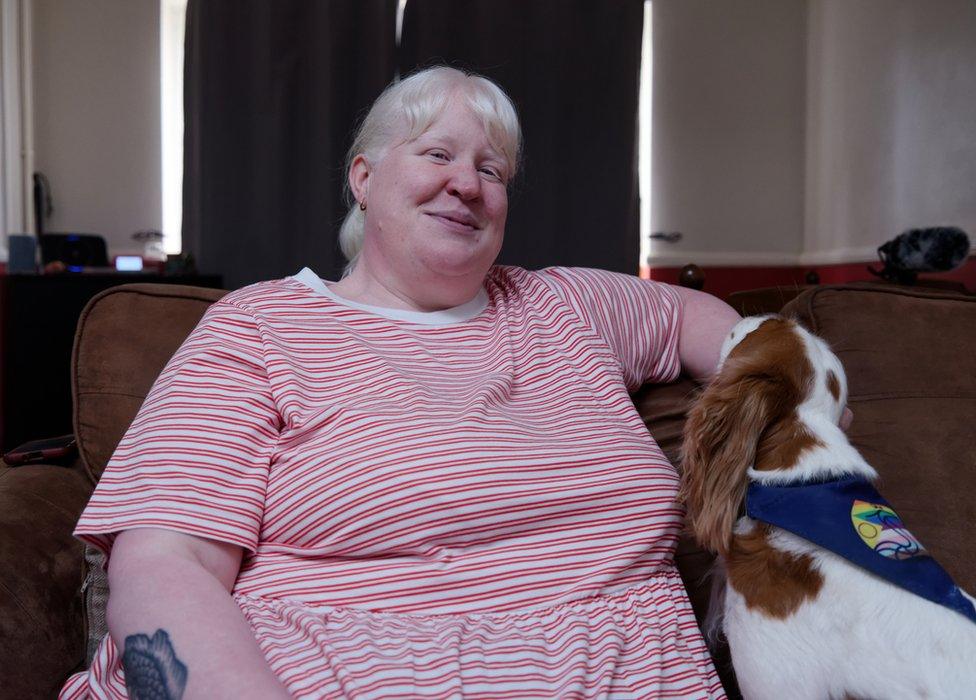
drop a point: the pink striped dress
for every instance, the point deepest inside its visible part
(462, 503)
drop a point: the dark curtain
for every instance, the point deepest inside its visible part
(271, 95)
(572, 68)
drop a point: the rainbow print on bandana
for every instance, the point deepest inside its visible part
(882, 530)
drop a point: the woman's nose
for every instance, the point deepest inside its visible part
(464, 182)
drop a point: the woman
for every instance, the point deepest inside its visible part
(425, 480)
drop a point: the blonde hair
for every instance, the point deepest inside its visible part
(418, 101)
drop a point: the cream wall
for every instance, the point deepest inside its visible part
(728, 120)
(810, 131)
(97, 115)
(891, 122)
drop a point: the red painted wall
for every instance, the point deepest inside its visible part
(723, 281)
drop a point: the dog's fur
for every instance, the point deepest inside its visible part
(802, 622)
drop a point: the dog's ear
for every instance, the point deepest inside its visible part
(720, 440)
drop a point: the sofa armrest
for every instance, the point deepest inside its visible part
(42, 628)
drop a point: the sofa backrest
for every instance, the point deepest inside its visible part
(125, 337)
(911, 365)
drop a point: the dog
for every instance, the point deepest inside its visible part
(764, 458)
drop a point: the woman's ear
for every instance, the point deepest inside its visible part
(359, 172)
(720, 440)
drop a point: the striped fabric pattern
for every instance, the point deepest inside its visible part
(440, 505)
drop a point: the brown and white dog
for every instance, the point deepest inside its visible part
(801, 621)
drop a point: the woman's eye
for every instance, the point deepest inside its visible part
(491, 172)
(440, 155)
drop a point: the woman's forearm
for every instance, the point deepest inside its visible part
(180, 633)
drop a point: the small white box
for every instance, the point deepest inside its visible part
(128, 263)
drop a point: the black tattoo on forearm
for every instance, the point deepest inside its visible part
(152, 671)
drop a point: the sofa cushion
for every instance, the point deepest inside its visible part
(125, 337)
(908, 353)
(41, 615)
(664, 409)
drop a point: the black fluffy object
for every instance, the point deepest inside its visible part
(936, 249)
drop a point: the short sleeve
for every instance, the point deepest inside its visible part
(639, 319)
(197, 456)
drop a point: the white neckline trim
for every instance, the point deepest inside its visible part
(455, 314)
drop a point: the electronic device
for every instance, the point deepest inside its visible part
(22, 253)
(42, 450)
(128, 263)
(75, 250)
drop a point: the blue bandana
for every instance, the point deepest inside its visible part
(850, 518)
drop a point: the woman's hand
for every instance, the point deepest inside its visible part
(175, 624)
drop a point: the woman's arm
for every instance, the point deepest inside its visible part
(705, 323)
(170, 614)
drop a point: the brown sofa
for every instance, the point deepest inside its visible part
(908, 353)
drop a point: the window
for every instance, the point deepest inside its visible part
(172, 23)
(644, 137)
(15, 128)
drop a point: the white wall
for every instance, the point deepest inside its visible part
(810, 131)
(891, 122)
(97, 115)
(728, 129)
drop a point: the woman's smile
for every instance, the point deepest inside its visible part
(459, 221)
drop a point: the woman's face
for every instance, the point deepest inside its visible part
(436, 205)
